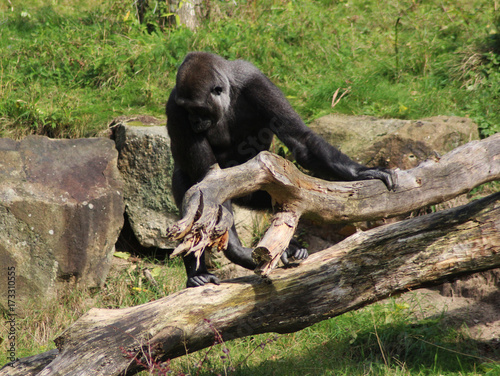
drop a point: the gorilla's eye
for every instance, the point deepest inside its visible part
(217, 90)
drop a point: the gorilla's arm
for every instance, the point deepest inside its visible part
(191, 151)
(193, 157)
(309, 149)
(315, 154)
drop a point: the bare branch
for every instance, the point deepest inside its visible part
(297, 194)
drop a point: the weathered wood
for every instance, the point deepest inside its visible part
(297, 194)
(275, 241)
(29, 366)
(364, 268)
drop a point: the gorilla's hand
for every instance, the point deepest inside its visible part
(294, 250)
(387, 176)
(201, 279)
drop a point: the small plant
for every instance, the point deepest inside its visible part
(151, 365)
(144, 359)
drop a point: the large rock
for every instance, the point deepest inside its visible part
(61, 210)
(395, 143)
(145, 163)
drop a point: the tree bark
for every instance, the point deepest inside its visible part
(298, 195)
(362, 269)
(188, 11)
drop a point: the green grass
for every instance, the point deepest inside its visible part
(383, 339)
(68, 67)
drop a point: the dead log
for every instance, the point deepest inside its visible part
(298, 195)
(358, 271)
(364, 268)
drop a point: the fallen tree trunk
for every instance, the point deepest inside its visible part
(364, 268)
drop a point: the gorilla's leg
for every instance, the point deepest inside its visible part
(242, 256)
(197, 273)
(180, 185)
(198, 276)
(237, 253)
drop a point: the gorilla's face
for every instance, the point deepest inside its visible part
(202, 89)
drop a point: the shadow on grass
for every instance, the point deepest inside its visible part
(428, 347)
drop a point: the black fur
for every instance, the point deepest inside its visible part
(226, 112)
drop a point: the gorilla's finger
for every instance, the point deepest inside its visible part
(301, 254)
(213, 279)
(387, 176)
(194, 282)
(202, 279)
(284, 258)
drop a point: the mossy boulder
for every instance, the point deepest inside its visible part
(146, 165)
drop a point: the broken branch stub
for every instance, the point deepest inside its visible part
(205, 224)
(275, 241)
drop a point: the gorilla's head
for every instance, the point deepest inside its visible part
(203, 88)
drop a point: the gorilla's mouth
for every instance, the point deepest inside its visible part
(200, 125)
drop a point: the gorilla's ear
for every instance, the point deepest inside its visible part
(217, 90)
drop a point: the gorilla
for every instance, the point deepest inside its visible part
(226, 112)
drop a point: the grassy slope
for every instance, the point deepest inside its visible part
(68, 67)
(67, 70)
